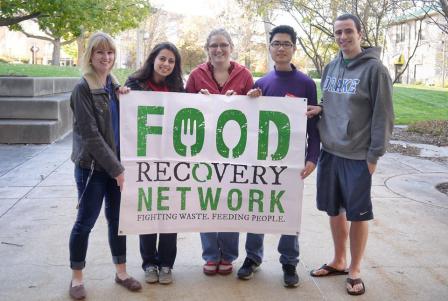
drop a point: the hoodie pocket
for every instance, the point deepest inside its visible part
(333, 131)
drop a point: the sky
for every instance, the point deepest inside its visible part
(191, 7)
(209, 8)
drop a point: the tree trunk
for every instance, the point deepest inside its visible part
(267, 30)
(56, 57)
(81, 49)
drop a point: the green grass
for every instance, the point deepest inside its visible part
(38, 70)
(419, 104)
(122, 74)
(411, 103)
(52, 71)
(414, 103)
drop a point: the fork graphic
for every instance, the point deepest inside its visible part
(188, 132)
(188, 135)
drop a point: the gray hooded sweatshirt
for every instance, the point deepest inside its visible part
(357, 117)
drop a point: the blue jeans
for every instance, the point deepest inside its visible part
(217, 246)
(288, 247)
(101, 186)
(164, 255)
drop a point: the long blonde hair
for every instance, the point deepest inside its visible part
(97, 40)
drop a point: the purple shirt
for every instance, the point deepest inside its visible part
(296, 83)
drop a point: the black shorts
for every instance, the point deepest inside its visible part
(344, 183)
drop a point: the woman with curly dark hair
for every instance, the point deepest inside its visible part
(161, 72)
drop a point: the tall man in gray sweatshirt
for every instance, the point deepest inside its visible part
(355, 126)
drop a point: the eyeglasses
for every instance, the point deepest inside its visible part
(285, 45)
(222, 46)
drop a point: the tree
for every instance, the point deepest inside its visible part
(241, 26)
(440, 8)
(155, 28)
(265, 9)
(68, 20)
(191, 42)
(15, 11)
(111, 16)
(315, 19)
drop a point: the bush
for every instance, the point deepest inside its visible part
(430, 127)
(433, 128)
(313, 74)
(258, 74)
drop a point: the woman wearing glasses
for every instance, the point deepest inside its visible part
(219, 75)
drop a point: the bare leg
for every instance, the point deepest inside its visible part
(121, 271)
(358, 239)
(339, 231)
(77, 277)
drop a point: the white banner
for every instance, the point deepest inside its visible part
(211, 163)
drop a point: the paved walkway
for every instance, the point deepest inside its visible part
(406, 258)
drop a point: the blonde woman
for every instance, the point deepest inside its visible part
(96, 154)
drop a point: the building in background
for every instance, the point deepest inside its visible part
(429, 63)
(15, 47)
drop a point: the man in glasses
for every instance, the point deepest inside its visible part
(284, 81)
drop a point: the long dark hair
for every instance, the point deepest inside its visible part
(174, 81)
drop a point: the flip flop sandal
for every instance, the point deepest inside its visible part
(331, 271)
(354, 282)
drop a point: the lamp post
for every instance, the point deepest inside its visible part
(139, 50)
(34, 49)
(443, 63)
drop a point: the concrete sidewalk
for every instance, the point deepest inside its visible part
(406, 257)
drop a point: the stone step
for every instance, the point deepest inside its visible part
(36, 86)
(41, 107)
(32, 130)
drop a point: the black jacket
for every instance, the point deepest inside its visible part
(135, 85)
(93, 136)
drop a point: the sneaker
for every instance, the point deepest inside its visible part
(151, 274)
(210, 268)
(248, 268)
(290, 277)
(225, 267)
(165, 276)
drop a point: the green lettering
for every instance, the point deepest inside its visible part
(255, 196)
(241, 119)
(183, 194)
(275, 201)
(193, 124)
(209, 198)
(161, 197)
(281, 121)
(230, 199)
(143, 129)
(142, 198)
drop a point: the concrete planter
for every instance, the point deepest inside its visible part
(35, 109)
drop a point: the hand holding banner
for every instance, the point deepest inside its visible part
(207, 163)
